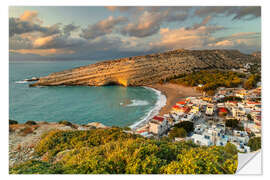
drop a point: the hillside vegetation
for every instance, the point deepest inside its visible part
(112, 151)
(213, 79)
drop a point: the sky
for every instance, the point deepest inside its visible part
(98, 33)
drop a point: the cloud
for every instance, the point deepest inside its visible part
(123, 8)
(148, 24)
(42, 52)
(70, 28)
(102, 27)
(39, 42)
(187, 38)
(18, 42)
(203, 23)
(150, 21)
(248, 13)
(245, 40)
(30, 16)
(120, 36)
(237, 12)
(17, 26)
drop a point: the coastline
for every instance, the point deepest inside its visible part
(174, 93)
(161, 102)
(168, 95)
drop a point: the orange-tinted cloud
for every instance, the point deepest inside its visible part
(243, 38)
(224, 43)
(42, 41)
(43, 52)
(186, 38)
(30, 16)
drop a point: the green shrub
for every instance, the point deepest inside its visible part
(211, 80)
(254, 143)
(12, 122)
(209, 160)
(177, 132)
(187, 125)
(31, 123)
(252, 81)
(65, 122)
(231, 148)
(234, 124)
(36, 167)
(111, 151)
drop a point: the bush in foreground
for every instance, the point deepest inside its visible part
(111, 151)
(254, 143)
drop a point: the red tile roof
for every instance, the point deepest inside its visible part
(176, 107)
(250, 102)
(185, 109)
(181, 102)
(142, 131)
(158, 118)
(222, 109)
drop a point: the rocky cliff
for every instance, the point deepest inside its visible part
(149, 69)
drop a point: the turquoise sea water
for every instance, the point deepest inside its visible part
(110, 105)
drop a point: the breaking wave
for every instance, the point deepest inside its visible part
(135, 102)
(20, 82)
(161, 101)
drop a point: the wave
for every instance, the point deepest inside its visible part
(153, 112)
(135, 102)
(21, 82)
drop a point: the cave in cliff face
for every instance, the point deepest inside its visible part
(118, 82)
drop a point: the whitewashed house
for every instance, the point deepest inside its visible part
(203, 140)
(158, 125)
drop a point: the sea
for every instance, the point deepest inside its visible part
(109, 105)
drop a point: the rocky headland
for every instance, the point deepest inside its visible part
(149, 69)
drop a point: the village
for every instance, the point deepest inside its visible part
(213, 118)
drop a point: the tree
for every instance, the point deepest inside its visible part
(252, 80)
(232, 123)
(254, 143)
(187, 125)
(230, 148)
(177, 132)
(249, 117)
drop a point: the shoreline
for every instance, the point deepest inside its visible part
(174, 93)
(168, 95)
(161, 102)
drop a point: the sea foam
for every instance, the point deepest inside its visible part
(20, 82)
(153, 112)
(135, 102)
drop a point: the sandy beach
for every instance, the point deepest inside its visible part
(174, 93)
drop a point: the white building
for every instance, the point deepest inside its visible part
(158, 125)
(209, 109)
(203, 140)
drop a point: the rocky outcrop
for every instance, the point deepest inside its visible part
(149, 69)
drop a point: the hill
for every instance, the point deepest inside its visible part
(149, 69)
